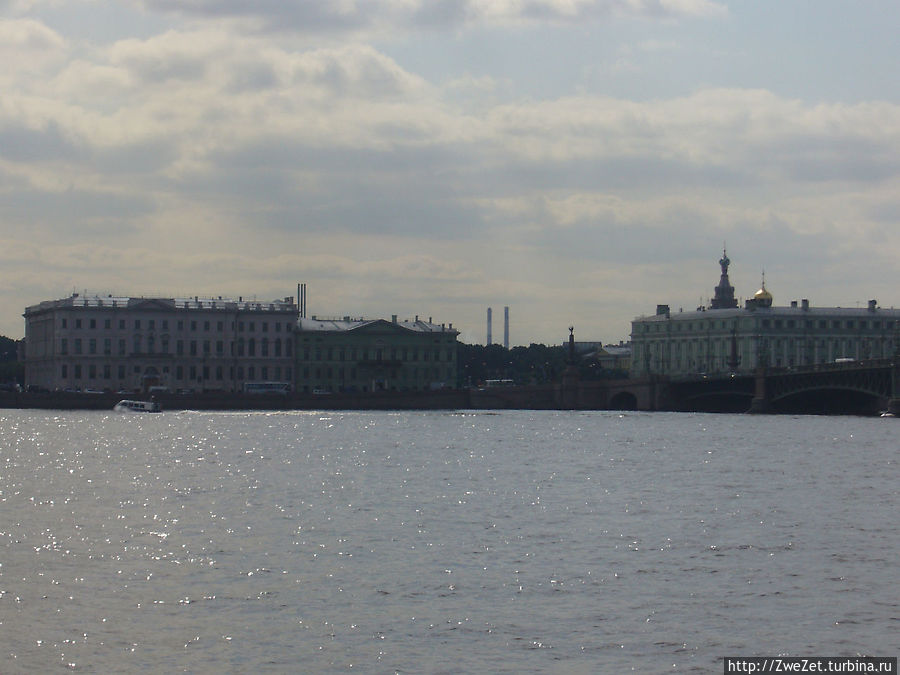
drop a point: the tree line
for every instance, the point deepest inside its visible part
(11, 370)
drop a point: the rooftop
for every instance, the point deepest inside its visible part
(195, 303)
(347, 323)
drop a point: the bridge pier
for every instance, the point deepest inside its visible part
(760, 403)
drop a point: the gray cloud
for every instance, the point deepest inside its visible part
(20, 143)
(332, 17)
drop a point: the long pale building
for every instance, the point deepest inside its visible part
(127, 343)
(725, 338)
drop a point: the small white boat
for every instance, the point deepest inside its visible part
(127, 405)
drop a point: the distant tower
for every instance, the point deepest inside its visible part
(724, 298)
(489, 336)
(506, 327)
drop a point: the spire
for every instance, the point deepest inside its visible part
(724, 292)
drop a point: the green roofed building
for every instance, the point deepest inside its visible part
(362, 355)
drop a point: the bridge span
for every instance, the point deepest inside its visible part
(853, 387)
(856, 388)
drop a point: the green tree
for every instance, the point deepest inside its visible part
(535, 364)
(11, 369)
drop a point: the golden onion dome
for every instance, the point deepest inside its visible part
(762, 297)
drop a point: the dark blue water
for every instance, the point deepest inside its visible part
(560, 542)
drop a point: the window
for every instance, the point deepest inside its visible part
(77, 323)
(93, 324)
(77, 371)
(107, 346)
(206, 348)
(264, 349)
(121, 372)
(151, 324)
(64, 346)
(165, 324)
(251, 348)
(193, 325)
(65, 323)
(179, 347)
(77, 345)
(137, 324)
(206, 325)
(193, 348)
(107, 371)
(121, 346)
(65, 371)
(121, 324)
(220, 347)
(107, 324)
(265, 328)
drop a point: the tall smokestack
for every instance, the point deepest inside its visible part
(302, 294)
(506, 327)
(489, 337)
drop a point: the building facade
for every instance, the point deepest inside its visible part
(724, 338)
(122, 343)
(374, 355)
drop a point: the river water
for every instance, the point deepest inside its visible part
(442, 542)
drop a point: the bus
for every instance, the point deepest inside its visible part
(282, 388)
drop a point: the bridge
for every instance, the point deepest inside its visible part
(853, 387)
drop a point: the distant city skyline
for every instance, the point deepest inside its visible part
(579, 161)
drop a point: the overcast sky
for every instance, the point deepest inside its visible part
(579, 161)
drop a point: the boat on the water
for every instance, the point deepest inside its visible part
(127, 405)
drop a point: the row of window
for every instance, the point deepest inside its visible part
(150, 324)
(377, 354)
(867, 349)
(809, 324)
(235, 348)
(194, 373)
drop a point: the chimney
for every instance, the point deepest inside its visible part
(489, 336)
(506, 327)
(804, 303)
(872, 305)
(393, 318)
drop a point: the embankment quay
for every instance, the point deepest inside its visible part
(858, 388)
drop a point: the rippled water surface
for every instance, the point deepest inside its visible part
(551, 542)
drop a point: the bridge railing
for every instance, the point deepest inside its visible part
(854, 364)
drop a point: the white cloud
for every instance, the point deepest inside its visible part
(205, 160)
